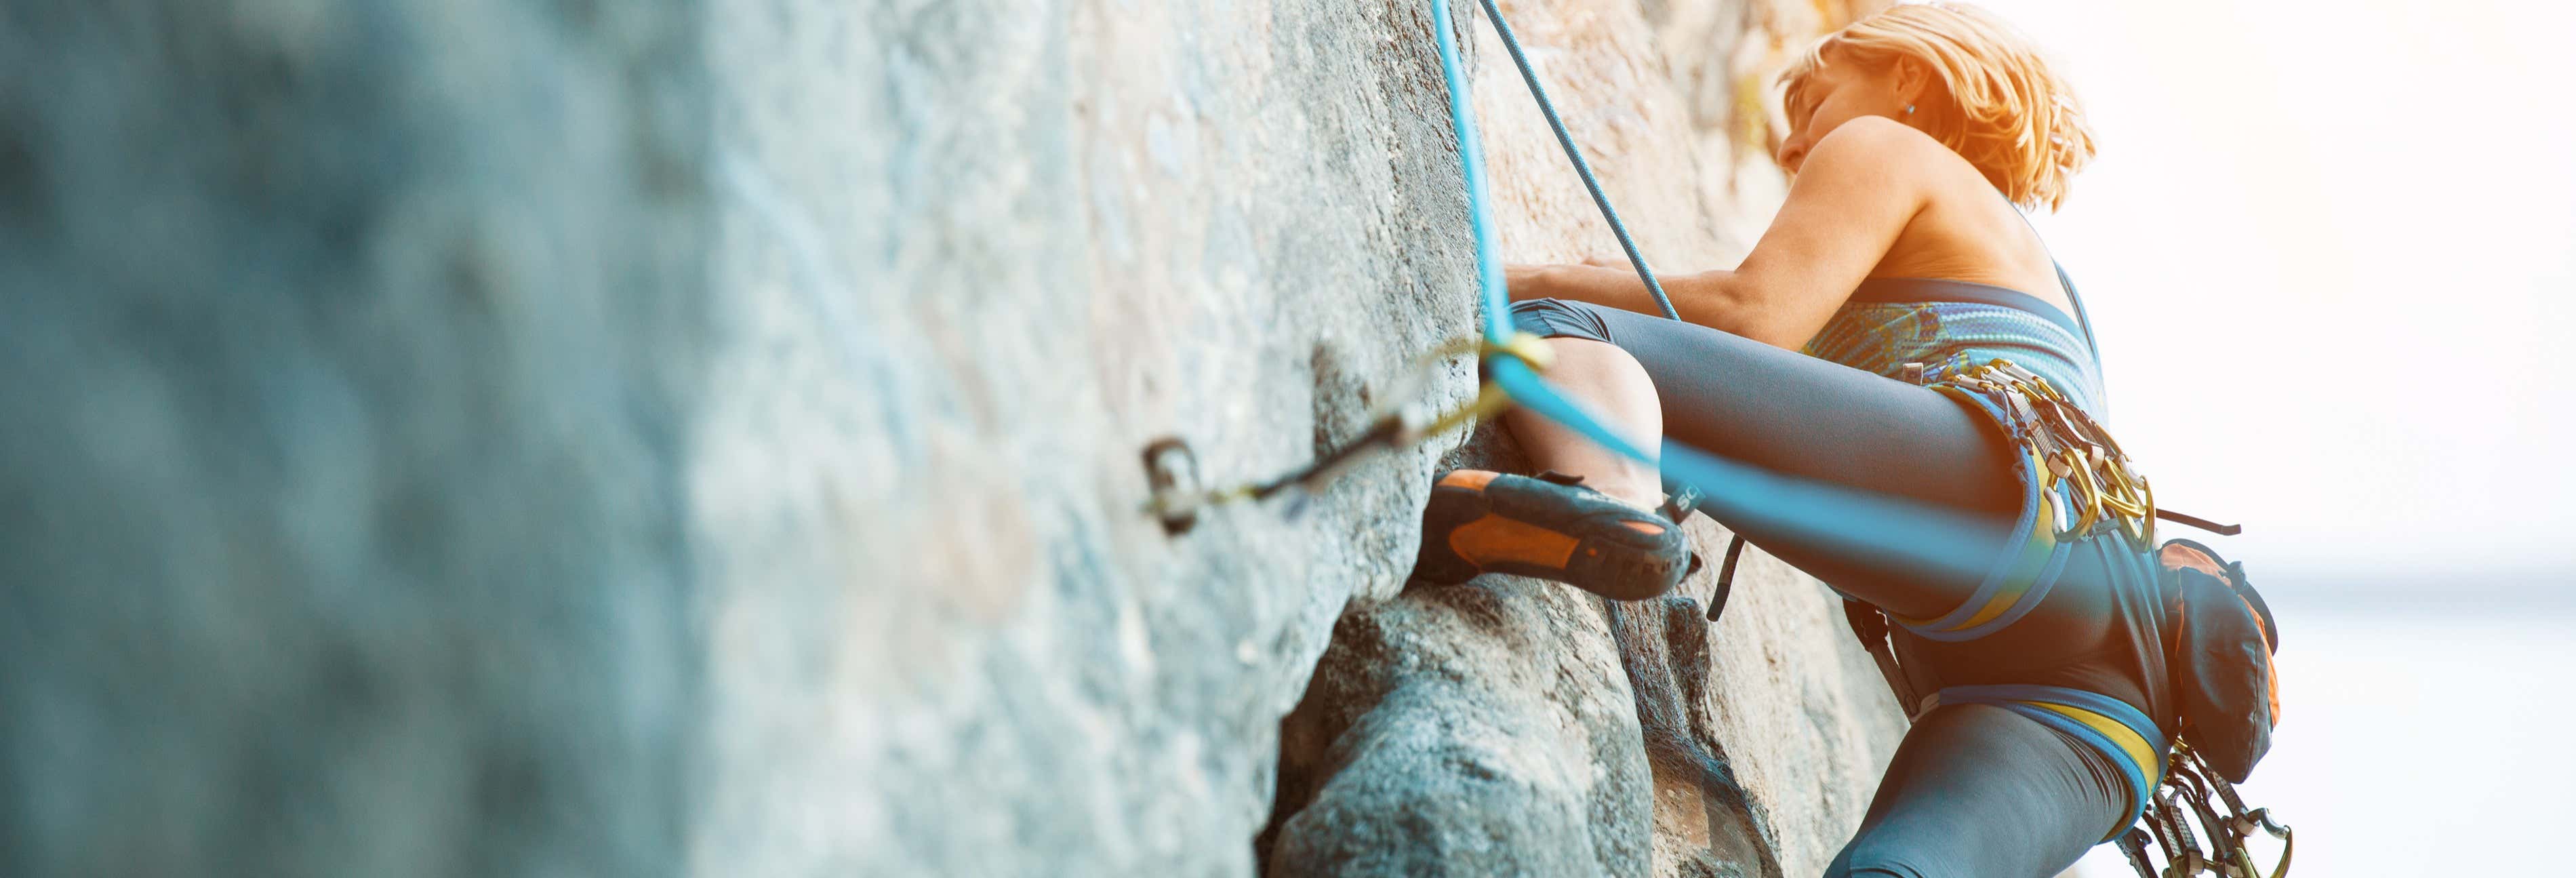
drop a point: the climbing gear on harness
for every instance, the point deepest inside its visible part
(1870, 625)
(1171, 468)
(1725, 587)
(2187, 795)
(2086, 469)
(1551, 527)
(2224, 530)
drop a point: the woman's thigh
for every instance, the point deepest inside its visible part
(1791, 413)
(1976, 791)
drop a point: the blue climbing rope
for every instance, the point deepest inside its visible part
(1861, 525)
(1471, 153)
(1581, 168)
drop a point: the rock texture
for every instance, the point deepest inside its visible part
(351, 353)
(470, 437)
(1754, 746)
(974, 256)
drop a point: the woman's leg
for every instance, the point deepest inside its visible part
(1793, 414)
(1612, 382)
(1603, 534)
(1976, 791)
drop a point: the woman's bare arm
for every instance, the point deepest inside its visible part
(1607, 286)
(1857, 191)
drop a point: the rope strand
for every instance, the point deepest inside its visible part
(1572, 154)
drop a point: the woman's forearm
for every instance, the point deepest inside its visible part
(1608, 287)
(1701, 298)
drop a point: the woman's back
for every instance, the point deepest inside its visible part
(1966, 230)
(1967, 280)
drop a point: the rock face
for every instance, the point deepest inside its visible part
(469, 437)
(352, 353)
(1485, 729)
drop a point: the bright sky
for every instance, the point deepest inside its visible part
(2329, 248)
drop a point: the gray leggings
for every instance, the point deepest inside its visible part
(1977, 791)
(1798, 415)
(1974, 790)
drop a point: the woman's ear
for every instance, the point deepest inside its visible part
(1912, 80)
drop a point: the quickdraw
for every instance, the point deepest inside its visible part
(2085, 466)
(2190, 792)
(1172, 468)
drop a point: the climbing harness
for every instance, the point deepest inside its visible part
(2216, 617)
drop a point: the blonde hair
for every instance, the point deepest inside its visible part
(1999, 106)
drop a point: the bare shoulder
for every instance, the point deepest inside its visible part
(1875, 161)
(1958, 227)
(1886, 148)
(1879, 132)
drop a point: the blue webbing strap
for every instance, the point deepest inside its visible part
(2068, 284)
(1859, 525)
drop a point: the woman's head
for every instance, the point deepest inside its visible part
(1957, 73)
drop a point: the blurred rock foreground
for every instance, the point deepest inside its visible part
(576, 438)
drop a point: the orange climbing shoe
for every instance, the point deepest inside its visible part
(1550, 527)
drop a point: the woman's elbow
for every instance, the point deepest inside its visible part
(1711, 300)
(1720, 301)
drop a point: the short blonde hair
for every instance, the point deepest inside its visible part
(2000, 106)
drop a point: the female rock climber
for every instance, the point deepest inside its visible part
(1854, 345)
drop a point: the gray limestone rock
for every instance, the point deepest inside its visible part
(1496, 739)
(350, 350)
(1762, 737)
(701, 436)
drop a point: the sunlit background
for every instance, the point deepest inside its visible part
(2330, 250)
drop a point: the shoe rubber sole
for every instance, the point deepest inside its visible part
(1548, 527)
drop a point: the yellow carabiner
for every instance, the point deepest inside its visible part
(1490, 398)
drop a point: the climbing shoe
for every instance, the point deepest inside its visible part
(1550, 527)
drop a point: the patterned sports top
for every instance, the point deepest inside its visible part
(1949, 326)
